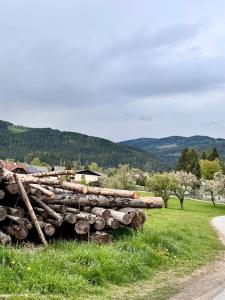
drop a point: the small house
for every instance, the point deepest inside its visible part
(87, 175)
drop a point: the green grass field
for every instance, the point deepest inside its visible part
(172, 244)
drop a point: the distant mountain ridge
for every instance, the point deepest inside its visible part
(169, 148)
(54, 146)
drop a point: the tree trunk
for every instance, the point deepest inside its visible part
(182, 203)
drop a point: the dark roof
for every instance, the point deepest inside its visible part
(88, 172)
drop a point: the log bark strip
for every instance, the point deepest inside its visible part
(54, 173)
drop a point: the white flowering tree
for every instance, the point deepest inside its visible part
(183, 182)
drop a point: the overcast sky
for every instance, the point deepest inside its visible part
(118, 69)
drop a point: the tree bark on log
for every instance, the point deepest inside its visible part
(54, 173)
(43, 190)
(112, 192)
(72, 210)
(30, 209)
(58, 208)
(76, 187)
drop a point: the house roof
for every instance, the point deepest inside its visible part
(39, 169)
(12, 166)
(88, 172)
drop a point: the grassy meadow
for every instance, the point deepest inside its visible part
(136, 266)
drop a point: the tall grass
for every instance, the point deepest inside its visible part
(171, 239)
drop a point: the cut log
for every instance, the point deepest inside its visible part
(3, 213)
(12, 188)
(129, 210)
(50, 211)
(72, 210)
(2, 194)
(41, 212)
(4, 238)
(19, 231)
(76, 187)
(138, 220)
(101, 212)
(70, 218)
(99, 223)
(54, 173)
(58, 208)
(49, 229)
(123, 218)
(45, 181)
(86, 216)
(112, 192)
(43, 190)
(101, 237)
(54, 222)
(112, 223)
(17, 212)
(82, 227)
(35, 192)
(30, 209)
(87, 209)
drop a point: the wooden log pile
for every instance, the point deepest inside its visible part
(41, 207)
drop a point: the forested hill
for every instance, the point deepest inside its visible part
(53, 146)
(169, 148)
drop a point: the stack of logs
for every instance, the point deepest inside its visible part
(45, 206)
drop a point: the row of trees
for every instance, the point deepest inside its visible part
(181, 184)
(202, 165)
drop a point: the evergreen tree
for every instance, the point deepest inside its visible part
(214, 154)
(189, 162)
(204, 155)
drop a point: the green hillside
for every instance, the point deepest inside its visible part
(168, 149)
(54, 146)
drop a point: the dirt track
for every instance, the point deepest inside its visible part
(209, 283)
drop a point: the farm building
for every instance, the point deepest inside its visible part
(14, 167)
(87, 175)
